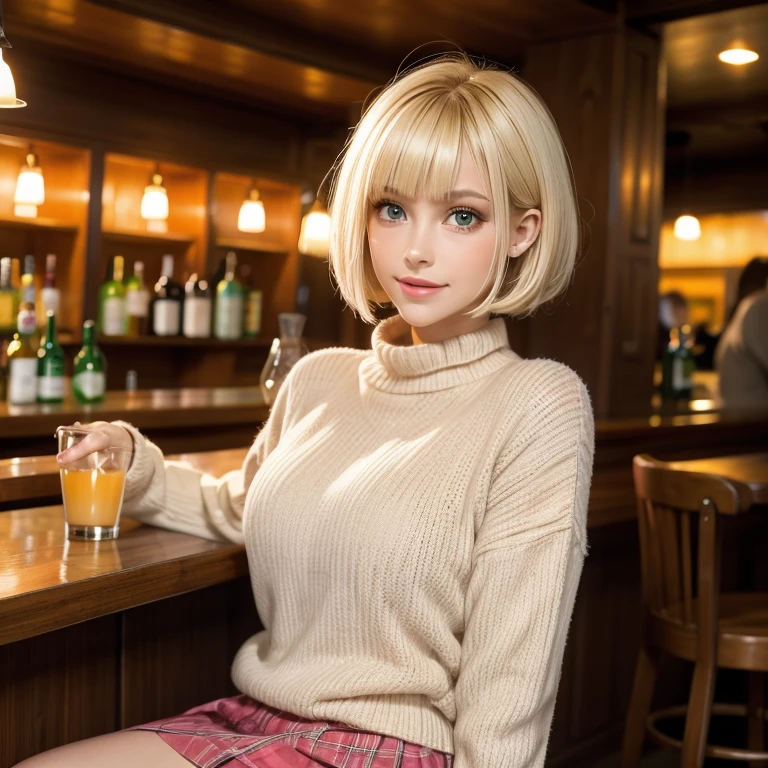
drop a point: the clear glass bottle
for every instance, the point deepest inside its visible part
(285, 352)
(197, 308)
(50, 365)
(137, 302)
(112, 318)
(22, 351)
(50, 295)
(90, 375)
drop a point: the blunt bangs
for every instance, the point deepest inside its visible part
(420, 155)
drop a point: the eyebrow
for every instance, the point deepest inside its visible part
(451, 196)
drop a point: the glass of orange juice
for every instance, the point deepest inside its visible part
(92, 489)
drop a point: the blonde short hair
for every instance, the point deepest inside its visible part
(410, 139)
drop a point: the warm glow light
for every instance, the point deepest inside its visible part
(30, 187)
(8, 98)
(687, 228)
(738, 56)
(25, 211)
(252, 217)
(154, 204)
(315, 231)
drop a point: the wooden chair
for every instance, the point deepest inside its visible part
(687, 617)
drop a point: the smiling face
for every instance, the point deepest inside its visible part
(448, 242)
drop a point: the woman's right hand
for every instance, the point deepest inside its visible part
(102, 435)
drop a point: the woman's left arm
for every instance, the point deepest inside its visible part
(528, 558)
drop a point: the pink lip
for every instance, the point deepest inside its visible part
(419, 291)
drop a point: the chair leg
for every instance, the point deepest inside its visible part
(639, 705)
(756, 716)
(698, 716)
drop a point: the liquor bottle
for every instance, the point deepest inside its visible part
(677, 365)
(253, 304)
(165, 309)
(112, 308)
(9, 299)
(229, 303)
(50, 365)
(197, 308)
(22, 351)
(137, 302)
(28, 301)
(90, 373)
(51, 296)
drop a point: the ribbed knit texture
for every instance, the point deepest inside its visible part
(415, 521)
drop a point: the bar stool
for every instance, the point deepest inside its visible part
(686, 616)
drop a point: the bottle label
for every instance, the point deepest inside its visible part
(229, 317)
(167, 317)
(50, 387)
(138, 303)
(27, 322)
(680, 376)
(197, 317)
(90, 385)
(253, 314)
(113, 315)
(22, 381)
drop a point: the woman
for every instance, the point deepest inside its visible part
(414, 514)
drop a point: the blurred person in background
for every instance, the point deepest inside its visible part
(742, 354)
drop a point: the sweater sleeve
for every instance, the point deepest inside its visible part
(174, 495)
(529, 553)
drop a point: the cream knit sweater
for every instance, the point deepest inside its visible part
(415, 522)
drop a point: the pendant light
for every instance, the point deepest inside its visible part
(687, 228)
(30, 186)
(252, 217)
(8, 98)
(738, 54)
(154, 203)
(315, 231)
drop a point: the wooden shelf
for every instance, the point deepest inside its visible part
(48, 225)
(147, 238)
(180, 341)
(243, 244)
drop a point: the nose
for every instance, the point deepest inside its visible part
(419, 247)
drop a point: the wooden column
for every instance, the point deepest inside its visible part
(607, 93)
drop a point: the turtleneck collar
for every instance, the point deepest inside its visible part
(397, 365)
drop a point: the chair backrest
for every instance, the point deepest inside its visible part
(680, 542)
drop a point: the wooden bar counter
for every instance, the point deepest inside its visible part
(97, 637)
(193, 419)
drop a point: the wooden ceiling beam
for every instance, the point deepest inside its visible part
(221, 21)
(657, 11)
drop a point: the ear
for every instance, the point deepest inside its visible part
(524, 229)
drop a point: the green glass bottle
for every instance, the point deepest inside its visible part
(50, 365)
(677, 366)
(90, 377)
(112, 303)
(229, 304)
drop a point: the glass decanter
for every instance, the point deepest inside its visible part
(284, 354)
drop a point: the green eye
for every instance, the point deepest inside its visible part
(393, 212)
(464, 218)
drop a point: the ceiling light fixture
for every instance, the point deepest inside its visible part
(8, 98)
(738, 54)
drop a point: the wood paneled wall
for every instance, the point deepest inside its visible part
(607, 96)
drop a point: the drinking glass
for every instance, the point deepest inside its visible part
(92, 488)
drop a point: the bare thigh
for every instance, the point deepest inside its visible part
(125, 749)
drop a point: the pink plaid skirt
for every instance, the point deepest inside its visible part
(240, 731)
